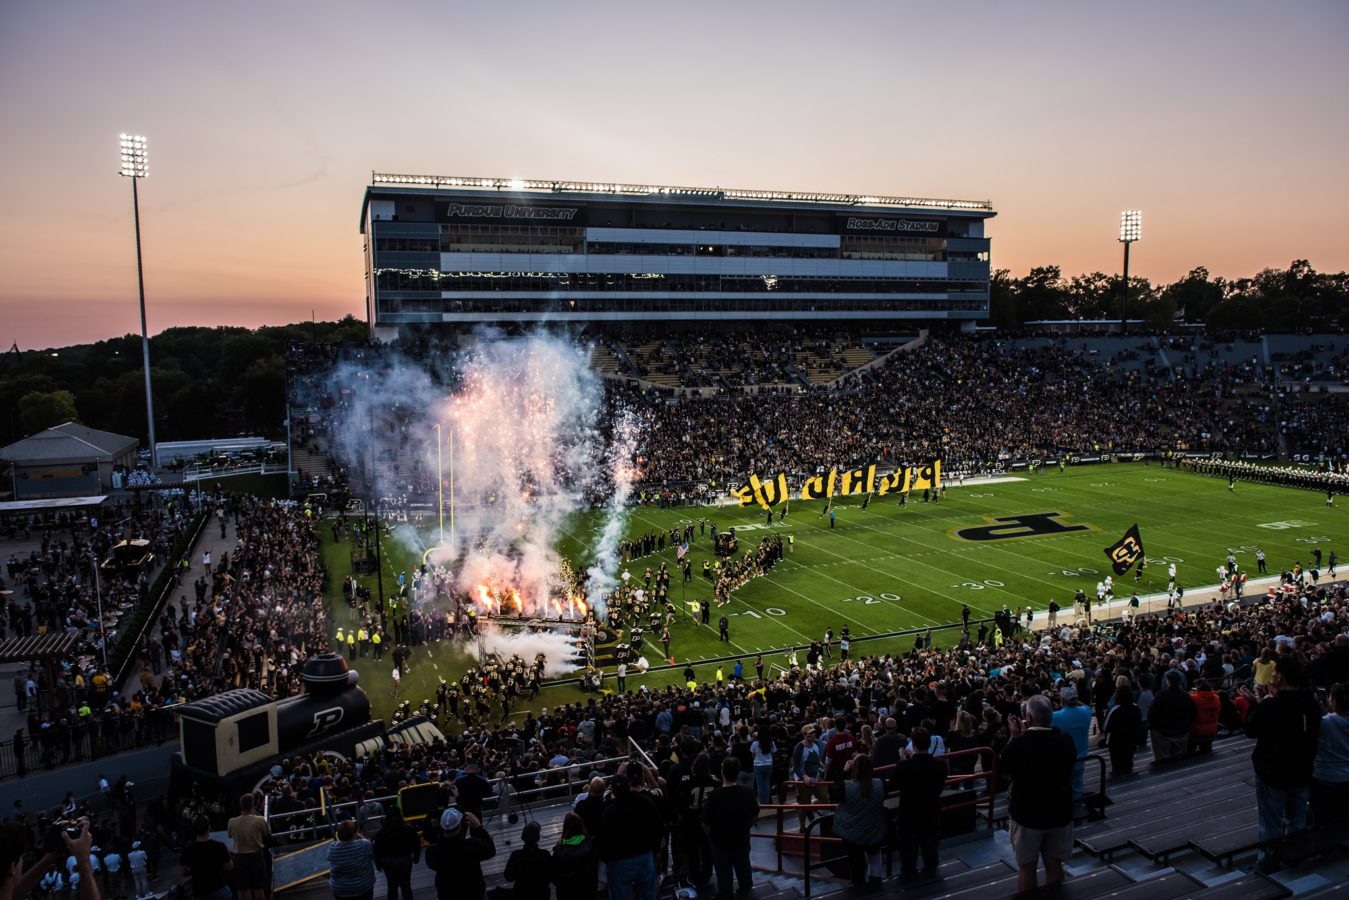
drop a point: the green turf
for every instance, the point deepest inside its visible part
(888, 569)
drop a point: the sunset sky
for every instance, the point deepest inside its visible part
(1225, 122)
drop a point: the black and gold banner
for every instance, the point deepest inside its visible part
(768, 492)
(1126, 551)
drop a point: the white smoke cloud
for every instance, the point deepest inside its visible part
(523, 415)
(622, 473)
(558, 648)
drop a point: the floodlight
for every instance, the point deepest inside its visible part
(1130, 225)
(135, 156)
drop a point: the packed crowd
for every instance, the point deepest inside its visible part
(75, 711)
(721, 359)
(934, 402)
(817, 733)
(257, 616)
(924, 403)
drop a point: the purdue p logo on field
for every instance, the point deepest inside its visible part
(1005, 528)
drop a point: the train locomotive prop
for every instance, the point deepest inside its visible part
(229, 742)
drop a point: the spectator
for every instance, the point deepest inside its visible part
(920, 780)
(575, 868)
(807, 768)
(1207, 710)
(138, 861)
(529, 868)
(397, 848)
(1330, 772)
(630, 833)
(888, 745)
(351, 864)
(763, 749)
(457, 856)
(370, 815)
(1170, 718)
(860, 820)
(728, 815)
(251, 836)
(472, 788)
(207, 862)
(591, 805)
(1122, 731)
(1039, 760)
(17, 882)
(1286, 726)
(839, 747)
(1074, 719)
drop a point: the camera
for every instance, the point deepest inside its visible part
(51, 841)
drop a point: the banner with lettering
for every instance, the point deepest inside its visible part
(770, 491)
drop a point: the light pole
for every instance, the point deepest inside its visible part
(136, 165)
(98, 596)
(1130, 230)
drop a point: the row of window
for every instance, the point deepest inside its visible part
(496, 305)
(543, 239)
(430, 280)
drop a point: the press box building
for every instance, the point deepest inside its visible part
(460, 252)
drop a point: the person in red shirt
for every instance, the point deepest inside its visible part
(1207, 710)
(839, 750)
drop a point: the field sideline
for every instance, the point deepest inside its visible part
(888, 569)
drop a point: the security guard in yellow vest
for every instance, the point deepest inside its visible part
(351, 646)
(378, 641)
(363, 637)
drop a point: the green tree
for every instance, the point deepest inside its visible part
(1002, 302)
(1041, 295)
(1094, 296)
(1194, 295)
(40, 410)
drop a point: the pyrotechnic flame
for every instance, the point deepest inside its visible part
(515, 601)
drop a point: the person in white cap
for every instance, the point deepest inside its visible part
(138, 860)
(457, 856)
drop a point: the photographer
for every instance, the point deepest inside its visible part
(63, 838)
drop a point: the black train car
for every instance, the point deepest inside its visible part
(230, 741)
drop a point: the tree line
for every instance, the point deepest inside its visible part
(208, 382)
(1294, 299)
(222, 382)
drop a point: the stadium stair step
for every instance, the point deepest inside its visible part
(983, 879)
(1167, 886)
(1338, 889)
(1298, 848)
(1222, 843)
(1139, 826)
(1159, 845)
(1250, 887)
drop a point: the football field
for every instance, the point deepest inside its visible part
(886, 571)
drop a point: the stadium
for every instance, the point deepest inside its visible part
(629, 487)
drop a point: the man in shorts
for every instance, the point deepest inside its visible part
(1039, 760)
(251, 836)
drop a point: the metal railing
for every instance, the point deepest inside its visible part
(321, 820)
(986, 798)
(88, 740)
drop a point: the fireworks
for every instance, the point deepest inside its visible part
(522, 426)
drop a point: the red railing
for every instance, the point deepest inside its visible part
(986, 798)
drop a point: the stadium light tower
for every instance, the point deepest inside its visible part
(136, 165)
(1130, 230)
